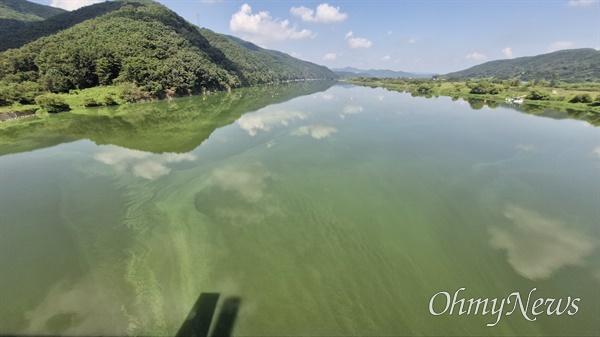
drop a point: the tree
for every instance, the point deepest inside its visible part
(482, 87)
(537, 95)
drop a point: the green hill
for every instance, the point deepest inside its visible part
(146, 44)
(54, 24)
(574, 65)
(17, 14)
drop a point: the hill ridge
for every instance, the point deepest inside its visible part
(571, 65)
(146, 44)
(17, 14)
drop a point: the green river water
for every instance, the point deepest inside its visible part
(327, 209)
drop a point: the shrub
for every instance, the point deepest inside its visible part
(132, 93)
(581, 98)
(90, 102)
(23, 93)
(537, 95)
(482, 87)
(596, 101)
(52, 103)
(425, 89)
(108, 100)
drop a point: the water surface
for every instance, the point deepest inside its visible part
(327, 210)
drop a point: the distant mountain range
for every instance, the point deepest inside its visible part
(348, 72)
(140, 42)
(574, 65)
(16, 14)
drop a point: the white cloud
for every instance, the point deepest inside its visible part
(357, 42)
(507, 52)
(73, 4)
(581, 3)
(558, 45)
(330, 56)
(537, 247)
(476, 56)
(315, 131)
(261, 28)
(413, 40)
(266, 119)
(210, 1)
(389, 32)
(324, 13)
(386, 58)
(305, 13)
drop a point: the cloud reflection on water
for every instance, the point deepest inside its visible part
(315, 131)
(266, 119)
(351, 110)
(238, 195)
(142, 164)
(537, 247)
(595, 153)
(77, 308)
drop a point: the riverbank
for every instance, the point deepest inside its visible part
(75, 99)
(537, 96)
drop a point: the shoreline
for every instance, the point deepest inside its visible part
(457, 90)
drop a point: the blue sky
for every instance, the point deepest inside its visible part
(416, 36)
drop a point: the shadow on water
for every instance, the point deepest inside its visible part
(200, 318)
(179, 125)
(203, 315)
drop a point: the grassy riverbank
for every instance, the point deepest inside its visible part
(539, 95)
(76, 99)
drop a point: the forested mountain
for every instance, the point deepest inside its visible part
(59, 21)
(144, 43)
(348, 72)
(16, 14)
(574, 65)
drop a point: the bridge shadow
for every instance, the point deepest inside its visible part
(200, 319)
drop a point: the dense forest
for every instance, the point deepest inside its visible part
(17, 14)
(571, 66)
(145, 45)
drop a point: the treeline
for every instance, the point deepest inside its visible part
(144, 44)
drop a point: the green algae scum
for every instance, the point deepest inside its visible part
(326, 209)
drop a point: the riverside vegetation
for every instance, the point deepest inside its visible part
(577, 99)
